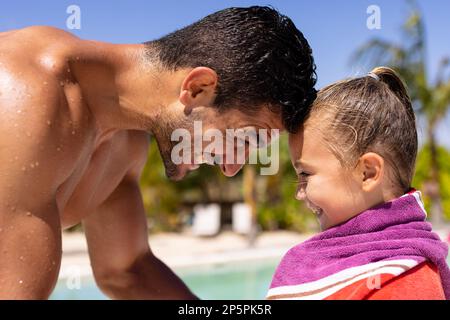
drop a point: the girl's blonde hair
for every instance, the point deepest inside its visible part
(369, 114)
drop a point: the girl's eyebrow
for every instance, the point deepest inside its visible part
(300, 163)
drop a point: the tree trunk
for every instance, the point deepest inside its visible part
(433, 186)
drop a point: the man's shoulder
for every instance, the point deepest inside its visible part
(31, 94)
(39, 30)
(37, 35)
(35, 53)
(32, 67)
(28, 97)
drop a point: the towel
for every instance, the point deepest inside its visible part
(378, 244)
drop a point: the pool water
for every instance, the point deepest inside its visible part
(237, 280)
(241, 281)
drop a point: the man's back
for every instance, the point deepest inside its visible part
(44, 108)
(58, 164)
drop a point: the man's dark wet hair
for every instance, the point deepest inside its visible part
(259, 55)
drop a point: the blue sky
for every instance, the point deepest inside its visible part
(333, 28)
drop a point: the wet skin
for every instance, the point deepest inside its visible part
(75, 124)
(61, 164)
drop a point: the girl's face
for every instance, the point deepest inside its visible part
(332, 192)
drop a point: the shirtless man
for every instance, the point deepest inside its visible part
(76, 117)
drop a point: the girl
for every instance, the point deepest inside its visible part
(355, 156)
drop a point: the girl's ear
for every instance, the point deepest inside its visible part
(198, 88)
(372, 170)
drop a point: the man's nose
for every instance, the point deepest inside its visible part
(231, 169)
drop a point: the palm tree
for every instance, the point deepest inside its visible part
(431, 99)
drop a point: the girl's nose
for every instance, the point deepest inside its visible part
(301, 194)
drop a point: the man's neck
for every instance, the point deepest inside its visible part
(126, 87)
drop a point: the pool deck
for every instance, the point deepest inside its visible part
(180, 250)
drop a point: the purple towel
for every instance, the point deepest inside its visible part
(388, 239)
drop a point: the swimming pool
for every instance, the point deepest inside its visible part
(242, 280)
(229, 281)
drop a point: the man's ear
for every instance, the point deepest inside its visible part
(372, 170)
(198, 88)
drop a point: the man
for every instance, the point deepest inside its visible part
(76, 117)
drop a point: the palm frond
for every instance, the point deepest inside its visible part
(441, 100)
(379, 52)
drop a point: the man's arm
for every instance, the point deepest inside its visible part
(123, 264)
(30, 237)
(30, 246)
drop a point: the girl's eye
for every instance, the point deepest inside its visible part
(304, 174)
(303, 177)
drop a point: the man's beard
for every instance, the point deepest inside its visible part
(165, 151)
(163, 133)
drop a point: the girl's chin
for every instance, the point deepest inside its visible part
(324, 225)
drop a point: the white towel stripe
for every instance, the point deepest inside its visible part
(418, 196)
(395, 271)
(341, 276)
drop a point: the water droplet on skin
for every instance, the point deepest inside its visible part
(61, 83)
(28, 214)
(1, 229)
(77, 58)
(21, 281)
(19, 111)
(21, 258)
(68, 70)
(36, 164)
(58, 149)
(13, 209)
(45, 83)
(73, 132)
(32, 165)
(24, 168)
(49, 122)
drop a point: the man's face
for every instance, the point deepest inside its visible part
(207, 136)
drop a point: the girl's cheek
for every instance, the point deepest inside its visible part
(318, 192)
